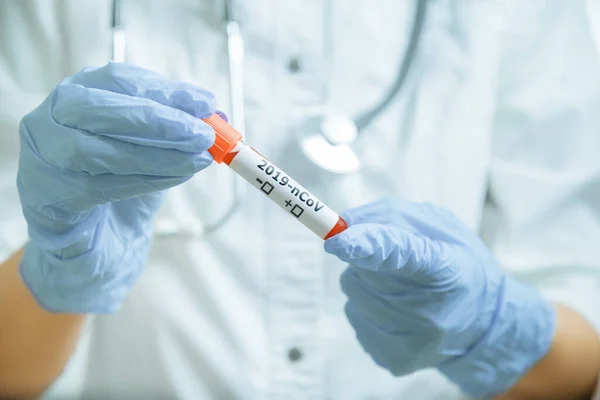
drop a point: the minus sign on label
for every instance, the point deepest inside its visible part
(259, 181)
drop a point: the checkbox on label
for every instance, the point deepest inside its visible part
(267, 188)
(297, 211)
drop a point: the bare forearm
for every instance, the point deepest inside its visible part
(571, 367)
(35, 345)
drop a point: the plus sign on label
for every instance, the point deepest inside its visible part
(288, 203)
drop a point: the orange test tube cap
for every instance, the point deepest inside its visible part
(226, 138)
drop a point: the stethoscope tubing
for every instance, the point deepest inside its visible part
(235, 53)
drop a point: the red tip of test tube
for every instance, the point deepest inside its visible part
(339, 227)
(226, 137)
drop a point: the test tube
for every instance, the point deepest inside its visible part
(272, 181)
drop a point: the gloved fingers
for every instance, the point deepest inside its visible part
(84, 155)
(129, 186)
(437, 222)
(89, 191)
(135, 81)
(381, 301)
(389, 350)
(420, 218)
(394, 298)
(98, 155)
(81, 191)
(132, 225)
(366, 334)
(130, 119)
(380, 248)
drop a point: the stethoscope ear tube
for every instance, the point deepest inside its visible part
(119, 39)
(116, 14)
(364, 119)
(235, 52)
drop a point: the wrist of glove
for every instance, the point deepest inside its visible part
(519, 335)
(423, 291)
(87, 268)
(96, 157)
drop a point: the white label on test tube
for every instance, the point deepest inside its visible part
(283, 190)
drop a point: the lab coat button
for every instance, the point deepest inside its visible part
(294, 65)
(294, 354)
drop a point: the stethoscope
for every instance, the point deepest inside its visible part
(325, 138)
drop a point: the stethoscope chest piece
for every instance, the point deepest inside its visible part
(326, 139)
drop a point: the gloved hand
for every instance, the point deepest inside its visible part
(424, 291)
(95, 158)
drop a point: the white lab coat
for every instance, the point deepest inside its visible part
(502, 104)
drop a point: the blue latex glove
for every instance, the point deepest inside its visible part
(424, 291)
(95, 158)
